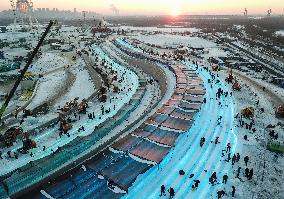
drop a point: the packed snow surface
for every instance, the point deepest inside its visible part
(280, 33)
(175, 40)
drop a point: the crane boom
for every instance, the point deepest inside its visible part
(29, 62)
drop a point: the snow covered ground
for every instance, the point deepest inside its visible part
(82, 87)
(175, 40)
(280, 33)
(48, 62)
(158, 29)
(47, 88)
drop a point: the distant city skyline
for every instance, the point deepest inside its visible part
(161, 7)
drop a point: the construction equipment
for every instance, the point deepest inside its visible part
(280, 111)
(248, 112)
(230, 77)
(28, 144)
(83, 106)
(236, 86)
(10, 136)
(66, 126)
(215, 68)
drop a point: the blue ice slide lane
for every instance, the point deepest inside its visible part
(177, 181)
(211, 160)
(183, 141)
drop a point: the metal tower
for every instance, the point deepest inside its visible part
(23, 13)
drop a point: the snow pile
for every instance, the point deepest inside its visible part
(47, 88)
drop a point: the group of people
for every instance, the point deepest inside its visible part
(171, 191)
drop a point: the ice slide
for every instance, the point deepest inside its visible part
(189, 156)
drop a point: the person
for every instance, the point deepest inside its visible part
(216, 140)
(246, 159)
(193, 188)
(247, 171)
(213, 178)
(228, 148)
(163, 190)
(225, 179)
(196, 183)
(202, 140)
(238, 172)
(250, 174)
(229, 157)
(233, 191)
(220, 193)
(172, 192)
(234, 159)
(238, 157)
(9, 154)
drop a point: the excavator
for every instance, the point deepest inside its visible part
(28, 143)
(82, 108)
(65, 126)
(230, 77)
(236, 86)
(10, 136)
(280, 111)
(247, 112)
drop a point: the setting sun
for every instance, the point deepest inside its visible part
(174, 12)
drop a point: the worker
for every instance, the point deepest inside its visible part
(238, 157)
(247, 171)
(234, 159)
(246, 159)
(238, 172)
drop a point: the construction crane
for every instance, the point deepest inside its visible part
(29, 62)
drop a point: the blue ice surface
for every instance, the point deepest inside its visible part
(187, 148)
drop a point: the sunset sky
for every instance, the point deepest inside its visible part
(164, 7)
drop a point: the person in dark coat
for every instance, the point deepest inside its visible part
(233, 191)
(225, 179)
(163, 190)
(172, 192)
(246, 159)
